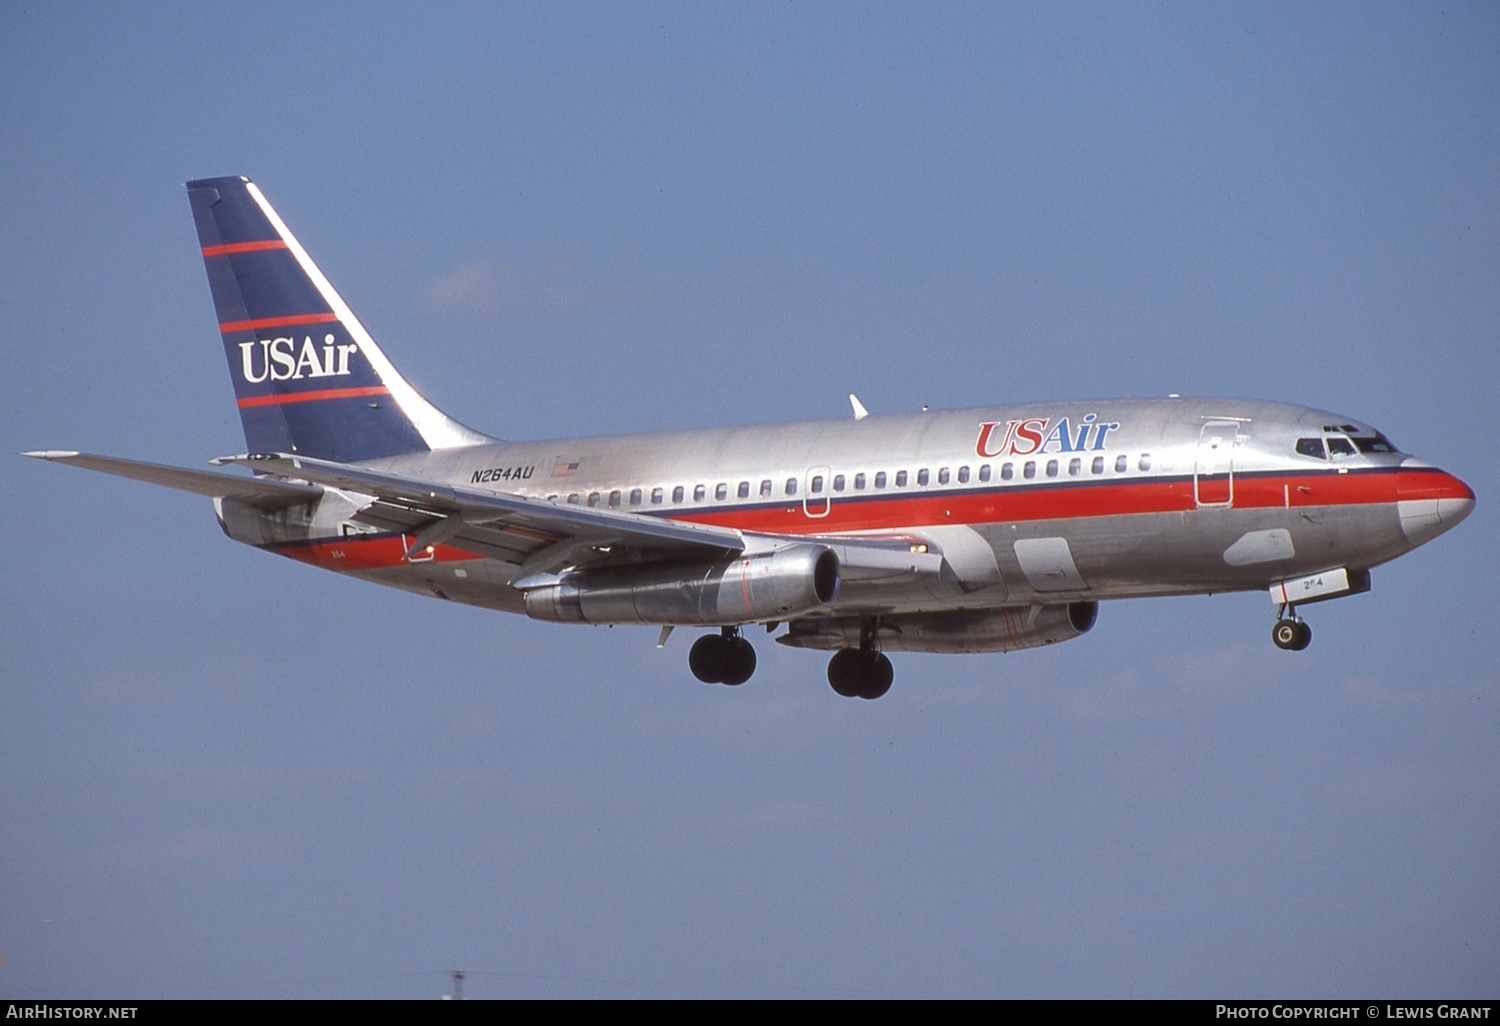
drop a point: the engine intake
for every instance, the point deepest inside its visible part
(769, 586)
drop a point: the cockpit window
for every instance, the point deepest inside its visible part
(1340, 446)
(1311, 447)
(1379, 443)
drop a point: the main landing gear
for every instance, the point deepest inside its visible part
(860, 673)
(1290, 631)
(863, 672)
(723, 658)
(727, 658)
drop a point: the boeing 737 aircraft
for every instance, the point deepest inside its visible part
(983, 530)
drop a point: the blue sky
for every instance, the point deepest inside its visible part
(229, 775)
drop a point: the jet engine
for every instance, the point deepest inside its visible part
(773, 585)
(969, 630)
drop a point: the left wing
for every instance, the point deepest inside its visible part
(543, 537)
(546, 538)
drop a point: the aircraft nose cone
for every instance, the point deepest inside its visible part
(1430, 501)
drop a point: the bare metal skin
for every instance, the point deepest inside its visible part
(982, 530)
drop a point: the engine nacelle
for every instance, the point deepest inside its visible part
(967, 630)
(769, 586)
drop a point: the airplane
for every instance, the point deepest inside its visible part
(981, 530)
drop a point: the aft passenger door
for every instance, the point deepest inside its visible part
(1213, 470)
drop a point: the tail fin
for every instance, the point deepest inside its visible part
(307, 376)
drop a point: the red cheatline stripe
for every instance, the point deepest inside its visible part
(243, 247)
(1102, 499)
(307, 397)
(354, 554)
(897, 513)
(278, 322)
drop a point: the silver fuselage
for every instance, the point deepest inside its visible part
(1043, 503)
(983, 530)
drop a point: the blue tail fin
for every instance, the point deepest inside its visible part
(308, 377)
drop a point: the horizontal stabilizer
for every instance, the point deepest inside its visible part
(253, 491)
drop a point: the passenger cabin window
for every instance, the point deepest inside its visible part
(1122, 464)
(677, 494)
(721, 491)
(880, 479)
(1145, 463)
(765, 488)
(900, 479)
(1311, 447)
(635, 496)
(1051, 468)
(593, 498)
(1075, 467)
(573, 498)
(817, 484)
(943, 475)
(838, 482)
(744, 491)
(1007, 472)
(700, 492)
(922, 476)
(859, 482)
(1098, 467)
(614, 497)
(791, 486)
(985, 472)
(656, 496)
(1029, 471)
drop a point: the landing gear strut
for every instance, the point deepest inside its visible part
(723, 658)
(863, 672)
(1290, 631)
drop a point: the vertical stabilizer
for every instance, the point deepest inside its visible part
(308, 378)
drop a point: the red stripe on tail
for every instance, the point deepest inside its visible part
(243, 247)
(278, 322)
(307, 397)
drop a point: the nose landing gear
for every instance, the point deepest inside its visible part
(723, 658)
(1290, 632)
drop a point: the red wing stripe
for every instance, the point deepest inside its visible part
(307, 397)
(278, 322)
(243, 247)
